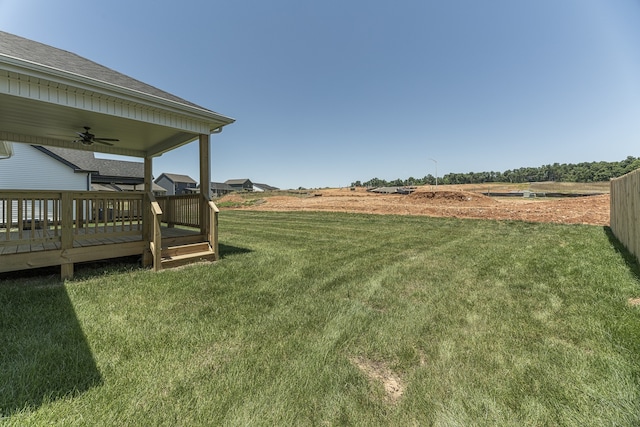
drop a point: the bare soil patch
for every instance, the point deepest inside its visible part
(380, 372)
(447, 201)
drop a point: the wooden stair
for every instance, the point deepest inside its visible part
(182, 254)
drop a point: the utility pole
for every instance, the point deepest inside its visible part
(436, 162)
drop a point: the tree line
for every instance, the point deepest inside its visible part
(580, 172)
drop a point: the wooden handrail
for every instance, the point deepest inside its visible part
(155, 208)
(213, 228)
(155, 245)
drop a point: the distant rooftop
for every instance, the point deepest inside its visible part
(178, 178)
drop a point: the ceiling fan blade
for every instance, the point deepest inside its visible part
(105, 139)
(99, 141)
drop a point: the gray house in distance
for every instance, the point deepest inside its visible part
(176, 184)
(219, 189)
(264, 187)
(240, 184)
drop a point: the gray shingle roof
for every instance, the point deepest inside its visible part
(178, 178)
(85, 161)
(237, 181)
(221, 186)
(68, 62)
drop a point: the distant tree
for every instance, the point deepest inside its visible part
(429, 180)
(581, 172)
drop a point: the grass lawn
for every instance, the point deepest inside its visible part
(336, 319)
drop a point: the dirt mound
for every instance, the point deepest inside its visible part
(453, 197)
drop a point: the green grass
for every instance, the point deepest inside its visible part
(245, 203)
(482, 323)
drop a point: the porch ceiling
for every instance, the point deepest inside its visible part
(48, 95)
(42, 123)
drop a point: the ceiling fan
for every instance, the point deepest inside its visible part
(87, 138)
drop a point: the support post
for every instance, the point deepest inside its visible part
(147, 217)
(205, 183)
(66, 238)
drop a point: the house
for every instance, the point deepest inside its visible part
(219, 189)
(64, 168)
(264, 187)
(32, 169)
(103, 172)
(51, 97)
(240, 184)
(176, 184)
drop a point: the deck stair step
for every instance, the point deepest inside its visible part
(175, 256)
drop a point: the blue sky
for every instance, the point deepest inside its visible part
(329, 92)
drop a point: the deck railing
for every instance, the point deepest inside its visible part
(64, 217)
(76, 225)
(182, 209)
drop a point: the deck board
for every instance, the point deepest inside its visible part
(82, 238)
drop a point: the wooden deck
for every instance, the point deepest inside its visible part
(42, 229)
(46, 240)
(87, 247)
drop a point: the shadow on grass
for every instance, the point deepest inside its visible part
(45, 355)
(226, 250)
(629, 259)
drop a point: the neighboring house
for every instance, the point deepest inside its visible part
(155, 188)
(117, 175)
(33, 169)
(66, 169)
(264, 187)
(240, 184)
(176, 184)
(219, 189)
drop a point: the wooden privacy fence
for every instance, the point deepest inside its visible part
(624, 210)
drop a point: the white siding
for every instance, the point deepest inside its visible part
(30, 169)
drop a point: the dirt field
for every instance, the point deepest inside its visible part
(447, 201)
